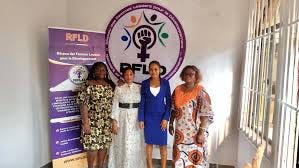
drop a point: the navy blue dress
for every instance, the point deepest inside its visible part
(154, 109)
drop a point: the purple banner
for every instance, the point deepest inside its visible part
(71, 52)
(65, 139)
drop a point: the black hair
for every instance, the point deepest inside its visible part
(107, 77)
(155, 62)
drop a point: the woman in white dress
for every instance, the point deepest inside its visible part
(127, 149)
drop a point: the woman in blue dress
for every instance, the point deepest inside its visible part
(154, 113)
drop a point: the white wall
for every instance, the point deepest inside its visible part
(24, 139)
(216, 34)
(215, 31)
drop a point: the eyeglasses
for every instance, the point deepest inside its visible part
(189, 74)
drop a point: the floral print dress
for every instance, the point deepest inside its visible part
(187, 109)
(98, 99)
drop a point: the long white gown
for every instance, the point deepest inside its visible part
(127, 148)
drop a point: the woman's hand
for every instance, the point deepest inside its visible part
(164, 125)
(120, 82)
(114, 127)
(171, 129)
(141, 125)
(200, 137)
(86, 128)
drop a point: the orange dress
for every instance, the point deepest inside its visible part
(187, 109)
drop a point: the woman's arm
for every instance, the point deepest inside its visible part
(172, 118)
(115, 105)
(82, 100)
(84, 113)
(168, 102)
(115, 110)
(166, 114)
(85, 119)
(204, 120)
(205, 114)
(172, 114)
(141, 106)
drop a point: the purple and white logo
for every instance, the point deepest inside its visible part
(78, 74)
(140, 33)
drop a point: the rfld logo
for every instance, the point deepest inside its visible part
(143, 32)
(76, 37)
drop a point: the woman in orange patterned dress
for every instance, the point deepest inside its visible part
(192, 113)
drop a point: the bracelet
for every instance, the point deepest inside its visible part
(201, 130)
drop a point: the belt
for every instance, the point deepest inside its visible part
(128, 105)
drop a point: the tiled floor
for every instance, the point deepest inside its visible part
(211, 166)
(156, 165)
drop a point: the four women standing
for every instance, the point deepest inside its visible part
(190, 110)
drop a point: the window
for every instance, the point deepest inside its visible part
(260, 70)
(269, 105)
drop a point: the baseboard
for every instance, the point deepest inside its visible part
(157, 161)
(48, 165)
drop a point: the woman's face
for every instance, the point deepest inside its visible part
(154, 71)
(100, 72)
(129, 76)
(189, 76)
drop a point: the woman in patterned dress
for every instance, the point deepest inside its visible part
(127, 149)
(95, 100)
(191, 110)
